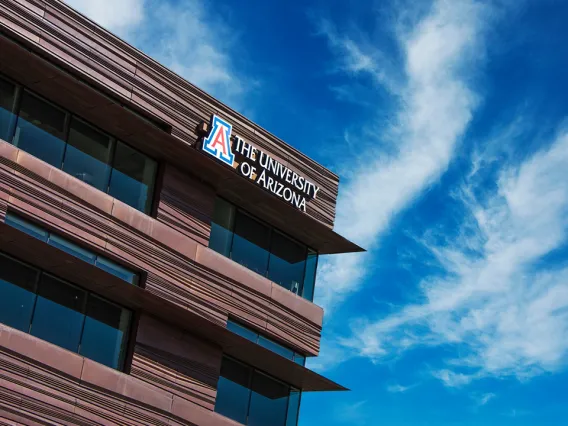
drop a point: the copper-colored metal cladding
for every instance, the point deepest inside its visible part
(188, 291)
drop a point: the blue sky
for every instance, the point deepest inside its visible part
(446, 121)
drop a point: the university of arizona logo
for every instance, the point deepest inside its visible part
(218, 143)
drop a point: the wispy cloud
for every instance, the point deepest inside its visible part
(436, 101)
(398, 388)
(500, 302)
(186, 38)
(483, 399)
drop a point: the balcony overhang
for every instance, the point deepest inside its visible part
(76, 91)
(57, 262)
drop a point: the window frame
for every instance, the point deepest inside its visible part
(19, 92)
(271, 229)
(130, 330)
(253, 371)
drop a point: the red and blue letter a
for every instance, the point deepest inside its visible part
(218, 143)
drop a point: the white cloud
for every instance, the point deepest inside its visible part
(485, 398)
(116, 16)
(436, 105)
(499, 302)
(183, 36)
(397, 388)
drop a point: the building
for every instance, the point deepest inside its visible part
(158, 250)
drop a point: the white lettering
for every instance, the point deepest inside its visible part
(288, 175)
(287, 194)
(303, 205)
(245, 169)
(266, 158)
(262, 179)
(301, 183)
(279, 190)
(316, 189)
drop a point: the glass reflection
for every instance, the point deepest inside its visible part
(310, 275)
(287, 262)
(293, 408)
(221, 236)
(233, 391)
(268, 402)
(250, 243)
(40, 130)
(58, 314)
(132, 177)
(17, 293)
(104, 333)
(88, 154)
(275, 347)
(7, 104)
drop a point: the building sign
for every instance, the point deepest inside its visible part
(257, 165)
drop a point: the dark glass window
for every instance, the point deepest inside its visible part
(275, 347)
(87, 156)
(266, 251)
(17, 293)
(265, 342)
(104, 334)
(222, 227)
(27, 227)
(65, 141)
(287, 262)
(72, 248)
(268, 402)
(7, 106)
(254, 398)
(293, 408)
(233, 390)
(250, 243)
(58, 316)
(310, 276)
(62, 313)
(41, 129)
(132, 178)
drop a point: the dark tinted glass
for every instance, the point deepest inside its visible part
(275, 347)
(250, 243)
(233, 391)
(40, 130)
(310, 275)
(17, 286)
(293, 408)
(115, 269)
(87, 156)
(7, 118)
(104, 334)
(300, 359)
(287, 262)
(58, 316)
(222, 227)
(72, 248)
(132, 178)
(242, 331)
(27, 227)
(269, 401)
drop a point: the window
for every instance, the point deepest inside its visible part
(132, 177)
(71, 248)
(253, 398)
(7, 106)
(270, 253)
(88, 153)
(67, 142)
(41, 129)
(265, 342)
(61, 313)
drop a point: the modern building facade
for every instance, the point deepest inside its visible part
(158, 251)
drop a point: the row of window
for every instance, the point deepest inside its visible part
(71, 248)
(251, 397)
(61, 313)
(263, 249)
(265, 342)
(69, 143)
